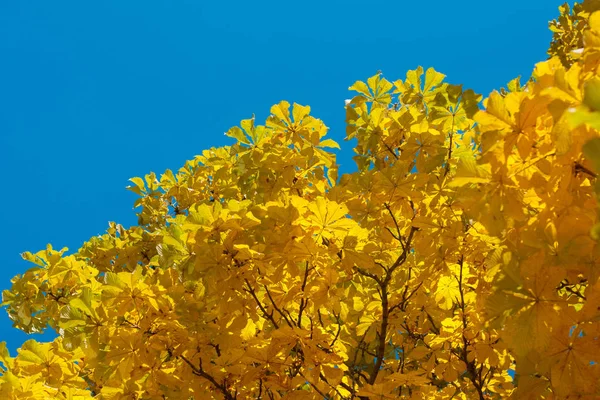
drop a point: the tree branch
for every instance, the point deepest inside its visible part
(400, 260)
(337, 335)
(464, 354)
(581, 168)
(382, 334)
(262, 308)
(368, 275)
(399, 236)
(200, 372)
(451, 136)
(314, 386)
(303, 302)
(277, 308)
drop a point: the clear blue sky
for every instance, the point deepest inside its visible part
(93, 93)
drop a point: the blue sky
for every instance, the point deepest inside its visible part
(93, 93)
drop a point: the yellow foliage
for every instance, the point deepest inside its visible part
(459, 261)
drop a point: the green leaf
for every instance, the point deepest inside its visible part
(583, 115)
(591, 94)
(591, 149)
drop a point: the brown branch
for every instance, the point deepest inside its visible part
(411, 294)
(365, 349)
(322, 377)
(262, 308)
(451, 136)
(131, 324)
(260, 387)
(303, 302)
(353, 371)
(383, 267)
(393, 234)
(320, 318)
(271, 397)
(400, 260)
(464, 354)
(345, 386)
(313, 385)
(436, 330)
(387, 146)
(382, 334)
(581, 168)
(575, 292)
(217, 349)
(277, 308)
(289, 314)
(405, 292)
(383, 284)
(405, 298)
(369, 275)
(337, 335)
(399, 237)
(415, 336)
(569, 288)
(200, 372)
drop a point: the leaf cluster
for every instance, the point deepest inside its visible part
(460, 260)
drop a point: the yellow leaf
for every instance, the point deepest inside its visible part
(329, 143)
(238, 135)
(447, 292)
(358, 304)
(249, 330)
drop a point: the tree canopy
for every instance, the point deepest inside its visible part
(460, 261)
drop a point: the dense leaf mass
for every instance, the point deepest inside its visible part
(460, 260)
